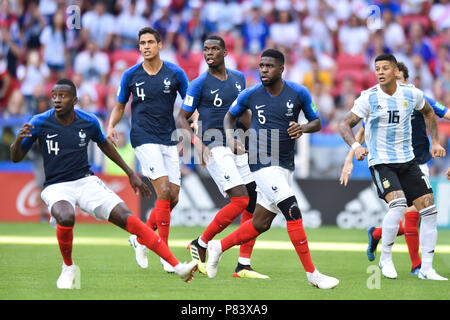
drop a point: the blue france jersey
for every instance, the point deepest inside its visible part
(212, 98)
(269, 142)
(153, 100)
(420, 142)
(64, 148)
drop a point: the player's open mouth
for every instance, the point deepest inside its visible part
(58, 108)
(381, 79)
(210, 61)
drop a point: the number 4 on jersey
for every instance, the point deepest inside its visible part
(51, 147)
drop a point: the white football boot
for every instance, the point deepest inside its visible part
(214, 256)
(321, 281)
(167, 267)
(70, 277)
(388, 269)
(186, 270)
(141, 252)
(430, 275)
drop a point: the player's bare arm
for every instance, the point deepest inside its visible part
(200, 147)
(136, 182)
(228, 125)
(17, 153)
(296, 130)
(116, 116)
(246, 118)
(348, 163)
(345, 129)
(430, 120)
(447, 115)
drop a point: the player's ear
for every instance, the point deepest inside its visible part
(160, 45)
(225, 52)
(282, 68)
(75, 100)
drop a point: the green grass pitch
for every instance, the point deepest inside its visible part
(30, 264)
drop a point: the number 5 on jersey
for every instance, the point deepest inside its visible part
(52, 147)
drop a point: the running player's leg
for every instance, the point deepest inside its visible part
(412, 218)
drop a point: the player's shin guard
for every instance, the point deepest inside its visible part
(428, 235)
(298, 238)
(150, 239)
(245, 250)
(65, 241)
(412, 237)
(224, 217)
(163, 219)
(244, 233)
(390, 227)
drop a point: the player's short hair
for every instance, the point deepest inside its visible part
(273, 53)
(404, 69)
(68, 82)
(386, 57)
(218, 38)
(151, 31)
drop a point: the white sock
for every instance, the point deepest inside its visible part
(244, 261)
(390, 227)
(428, 235)
(202, 243)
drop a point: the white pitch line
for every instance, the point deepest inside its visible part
(260, 244)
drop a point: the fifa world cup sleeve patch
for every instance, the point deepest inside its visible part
(189, 100)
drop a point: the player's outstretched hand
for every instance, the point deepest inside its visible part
(24, 132)
(345, 173)
(139, 186)
(437, 151)
(111, 135)
(203, 152)
(295, 130)
(236, 146)
(360, 153)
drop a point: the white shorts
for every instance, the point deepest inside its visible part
(228, 170)
(158, 160)
(90, 194)
(273, 185)
(425, 169)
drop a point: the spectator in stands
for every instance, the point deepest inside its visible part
(375, 47)
(346, 93)
(53, 45)
(285, 31)
(390, 5)
(5, 82)
(30, 74)
(128, 24)
(93, 64)
(420, 69)
(165, 23)
(420, 42)
(317, 75)
(47, 8)
(125, 150)
(98, 25)
(394, 35)
(84, 88)
(11, 48)
(322, 97)
(31, 23)
(442, 57)
(440, 15)
(353, 37)
(255, 30)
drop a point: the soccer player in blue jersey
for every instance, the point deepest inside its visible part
(63, 134)
(275, 104)
(387, 109)
(212, 94)
(154, 85)
(421, 146)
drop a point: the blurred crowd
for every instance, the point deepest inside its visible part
(329, 46)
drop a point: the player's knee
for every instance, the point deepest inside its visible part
(65, 219)
(163, 192)
(290, 209)
(261, 226)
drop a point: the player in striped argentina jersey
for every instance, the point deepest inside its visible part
(388, 122)
(387, 109)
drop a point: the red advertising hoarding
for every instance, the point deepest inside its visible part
(20, 197)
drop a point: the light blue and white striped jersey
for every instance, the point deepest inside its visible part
(388, 131)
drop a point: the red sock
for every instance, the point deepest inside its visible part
(225, 217)
(401, 230)
(160, 216)
(377, 233)
(300, 242)
(150, 239)
(244, 233)
(65, 241)
(412, 237)
(245, 250)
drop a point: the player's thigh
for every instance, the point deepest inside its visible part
(60, 199)
(387, 182)
(272, 187)
(416, 185)
(426, 171)
(151, 160)
(171, 161)
(96, 198)
(223, 170)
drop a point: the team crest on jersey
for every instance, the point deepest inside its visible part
(405, 104)
(290, 107)
(166, 85)
(386, 183)
(238, 86)
(82, 136)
